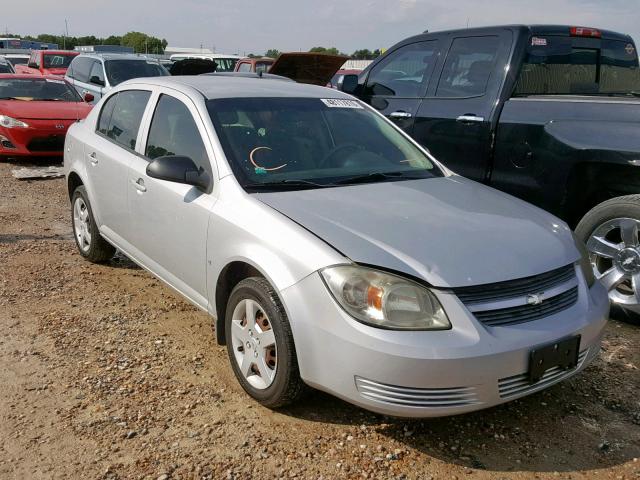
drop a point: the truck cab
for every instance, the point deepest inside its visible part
(549, 114)
(47, 62)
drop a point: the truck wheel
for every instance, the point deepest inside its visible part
(610, 231)
(90, 243)
(260, 344)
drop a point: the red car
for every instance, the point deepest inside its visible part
(35, 113)
(47, 62)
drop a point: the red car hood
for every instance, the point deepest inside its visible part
(34, 110)
(54, 71)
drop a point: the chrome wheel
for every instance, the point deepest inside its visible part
(614, 249)
(254, 344)
(81, 224)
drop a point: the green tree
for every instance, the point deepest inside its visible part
(143, 43)
(272, 52)
(328, 51)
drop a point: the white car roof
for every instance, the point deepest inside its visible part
(213, 86)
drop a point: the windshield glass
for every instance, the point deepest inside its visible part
(57, 60)
(312, 142)
(579, 66)
(119, 71)
(5, 67)
(37, 89)
(18, 60)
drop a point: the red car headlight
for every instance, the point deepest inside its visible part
(9, 122)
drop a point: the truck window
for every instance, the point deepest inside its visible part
(403, 72)
(556, 65)
(244, 67)
(468, 67)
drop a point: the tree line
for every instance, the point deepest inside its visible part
(363, 54)
(140, 42)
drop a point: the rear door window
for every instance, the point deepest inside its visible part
(404, 72)
(468, 67)
(173, 131)
(126, 117)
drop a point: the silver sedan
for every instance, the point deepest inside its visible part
(332, 250)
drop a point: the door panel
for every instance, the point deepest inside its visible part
(170, 220)
(456, 122)
(396, 84)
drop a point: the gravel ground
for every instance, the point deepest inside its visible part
(106, 373)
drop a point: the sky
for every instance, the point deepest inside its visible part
(254, 26)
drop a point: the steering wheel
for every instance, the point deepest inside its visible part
(329, 159)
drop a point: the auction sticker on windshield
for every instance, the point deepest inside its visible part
(339, 103)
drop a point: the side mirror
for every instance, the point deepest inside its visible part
(179, 169)
(348, 83)
(96, 81)
(88, 97)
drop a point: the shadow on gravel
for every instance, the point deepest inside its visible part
(122, 261)
(32, 161)
(26, 237)
(562, 429)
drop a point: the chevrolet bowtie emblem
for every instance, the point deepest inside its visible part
(534, 299)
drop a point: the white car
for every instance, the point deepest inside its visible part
(331, 249)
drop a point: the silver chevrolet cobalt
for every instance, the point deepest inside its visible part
(330, 248)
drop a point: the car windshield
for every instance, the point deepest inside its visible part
(119, 71)
(556, 65)
(5, 67)
(18, 60)
(37, 89)
(285, 143)
(57, 60)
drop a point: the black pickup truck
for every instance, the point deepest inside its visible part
(549, 114)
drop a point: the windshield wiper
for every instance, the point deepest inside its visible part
(288, 183)
(379, 176)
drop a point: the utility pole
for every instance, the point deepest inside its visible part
(64, 37)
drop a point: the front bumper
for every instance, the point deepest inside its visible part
(430, 374)
(43, 138)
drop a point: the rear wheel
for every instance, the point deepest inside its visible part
(610, 232)
(260, 344)
(90, 243)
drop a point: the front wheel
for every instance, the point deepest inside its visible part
(610, 232)
(260, 344)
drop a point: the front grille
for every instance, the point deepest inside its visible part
(522, 300)
(52, 143)
(528, 313)
(520, 384)
(417, 397)
(515, 288)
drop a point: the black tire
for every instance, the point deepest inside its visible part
(287, 386)
(620, 207)
(98, 250)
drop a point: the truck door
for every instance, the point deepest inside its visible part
(456, 119)
(396, 84)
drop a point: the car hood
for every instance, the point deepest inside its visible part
(54, 71)
(34, 110)
(313, 68)
(449, 231)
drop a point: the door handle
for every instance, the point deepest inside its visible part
(400, 114)
(139, 184)
(93, 158)
(469, 118)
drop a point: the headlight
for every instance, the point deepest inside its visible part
(585, 261)
(384, 300)
(9, 122)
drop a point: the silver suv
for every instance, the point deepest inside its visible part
(332, 249)
(96, 74)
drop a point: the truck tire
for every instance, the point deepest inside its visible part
(90, 243)
(610, 232)
(260, 344)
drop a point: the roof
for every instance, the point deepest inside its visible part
(27, 76)
(534, 29)
(116, 56)
(58, 52)
(234, 86)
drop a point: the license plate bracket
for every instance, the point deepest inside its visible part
(563, 354)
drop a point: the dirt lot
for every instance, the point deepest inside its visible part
(106, 373)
